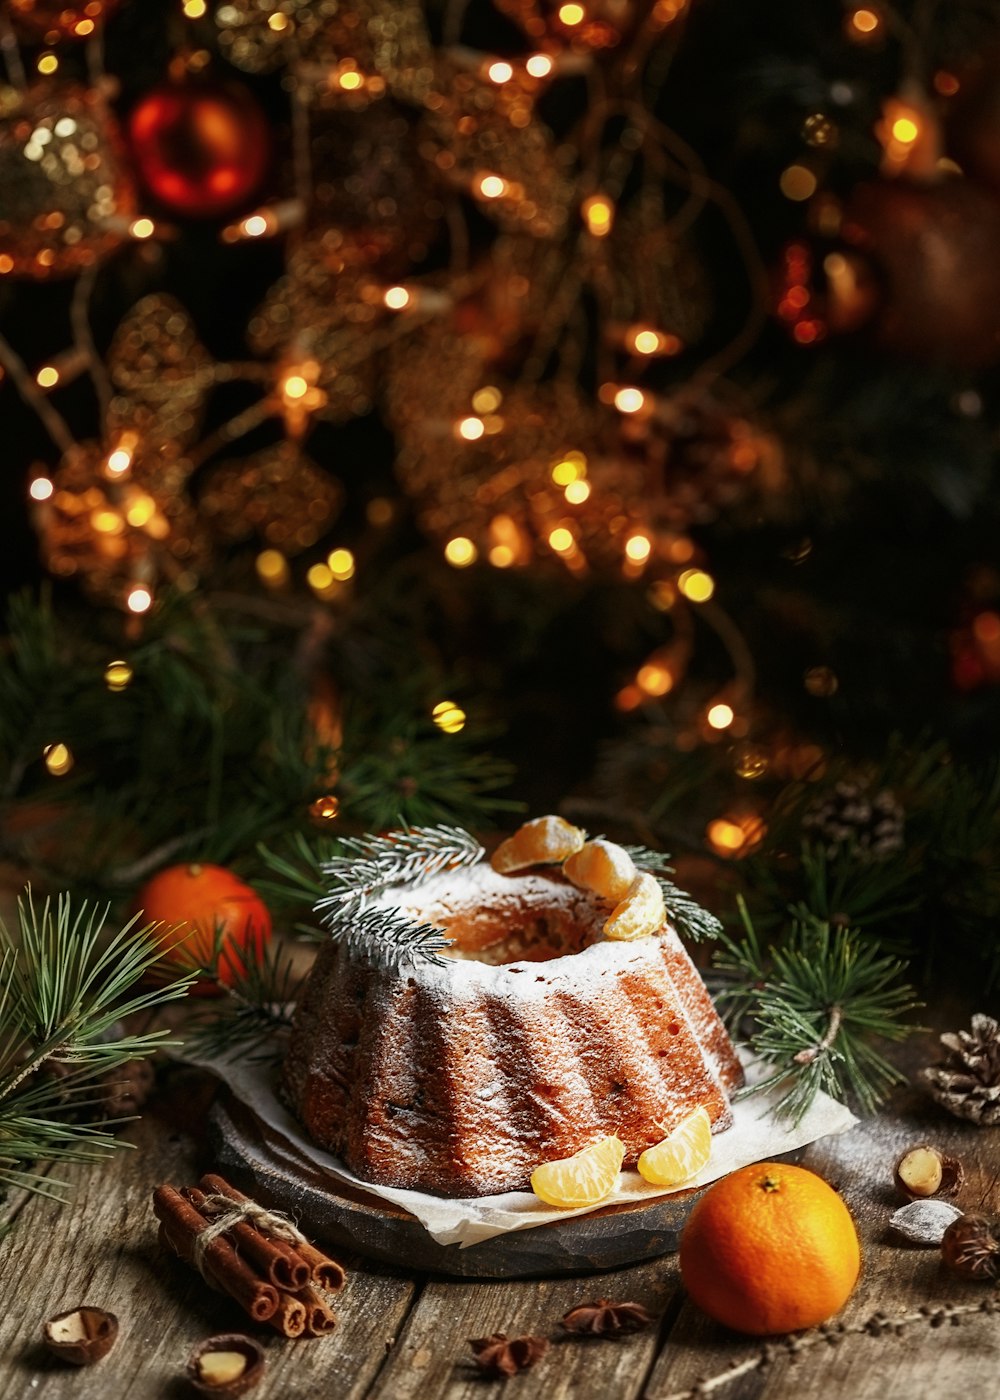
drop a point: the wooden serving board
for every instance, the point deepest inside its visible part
(272, 1171)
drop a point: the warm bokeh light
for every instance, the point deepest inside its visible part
(460, 552)
(340, 562)
(569, 468)
(325, 809)
(319, 577)
(905, 130)
(139, 599)
(539, 65)
(58, 759)
(142, 228)
(577, 492)
(598, 214)
(48, 64)
(47, 377)
(118, 675)
(864, 21)
(255, 226)
(500, 72)
(487, 399)
(118, 461)
(272, 568)
(638, 548)
(448, 716)
(736, 836)
(629, 399)
(720, 715)
(798, 182)
(41, 489)
(492, 186)
(295, 387)
(396, 298)
(654, 679)
(195, 9)
(501, 556)
(696, 585)
(571, 14)
(561, 540)
(350, 80)
(471, 428)
(645, 341)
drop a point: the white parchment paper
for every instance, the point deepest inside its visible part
(756, 1135)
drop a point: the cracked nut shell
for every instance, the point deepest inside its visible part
(199, 1371)
(923, 1171)
(82, 1335)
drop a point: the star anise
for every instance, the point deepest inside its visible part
(501, 1355)
(603, 1318)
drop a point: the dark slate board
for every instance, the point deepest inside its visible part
(263, 1165)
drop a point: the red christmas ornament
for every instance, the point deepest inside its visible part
(201, 148)
(50, 21)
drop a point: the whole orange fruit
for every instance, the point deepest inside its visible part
(770, 1248)
(210, 907)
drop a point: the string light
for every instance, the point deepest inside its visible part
(350, 80)
(654, 679)
(629, 399)
(471, 428)
(500, 72)
(340, 562)
(487, 399)
(47, 64)
(797, 183)
(47, 377)
(41, 489)
(460, 552)
(696, 585)
(320, 578)
(142, 228)
(118, 676)
(569, 468)
(58, 759)
(396, 298)
(325, 809)
(561, 540)
(492, 186)
(120, 458)
(571, 15)
(501, 556)
(295, 387)
(863, 23)
(448, 716)
(577, 492)
(720, 715)
(539, 65)
(638, 548)
(255, 226)
(905, 130)
(598, 214)
(272, 568)
(737, 835)
(195, 9)
(139, 599)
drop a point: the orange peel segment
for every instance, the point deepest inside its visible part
(640, 913)
(583, 1179)
(681, 1155)
(601, 866)
(544, 841)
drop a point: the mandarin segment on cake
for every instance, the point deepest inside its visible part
(532, 1039)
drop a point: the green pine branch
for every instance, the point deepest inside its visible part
(812, 1006)
(65, 984)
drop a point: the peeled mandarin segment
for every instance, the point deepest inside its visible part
(640, 913)
(583, 1179)
(680, 1156)
(603, 867)
(540, 842)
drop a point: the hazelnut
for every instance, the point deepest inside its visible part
(229, 1364)
(924, 1171)
(971, 1247)
(83, 1335)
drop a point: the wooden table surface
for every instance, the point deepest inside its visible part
(403, 1335)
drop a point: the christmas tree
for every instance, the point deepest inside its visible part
(419, 408)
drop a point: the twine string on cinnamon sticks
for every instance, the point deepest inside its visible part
(258, 1256)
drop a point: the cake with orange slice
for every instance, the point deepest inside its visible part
(480, 1019)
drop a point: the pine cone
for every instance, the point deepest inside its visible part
(852, 821)
(967, 1084)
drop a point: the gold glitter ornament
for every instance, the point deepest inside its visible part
(322, 314)
(109, 534)
(383, 43)
(162, 373)
(67, 199)
(278, 495)
(485, 140)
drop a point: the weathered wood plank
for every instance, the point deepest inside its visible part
(946, 1362)
(103, 1251)
(433, 1360)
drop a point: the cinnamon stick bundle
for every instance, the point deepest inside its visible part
(275, 1280)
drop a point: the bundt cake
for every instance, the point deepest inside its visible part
(458, 1069)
